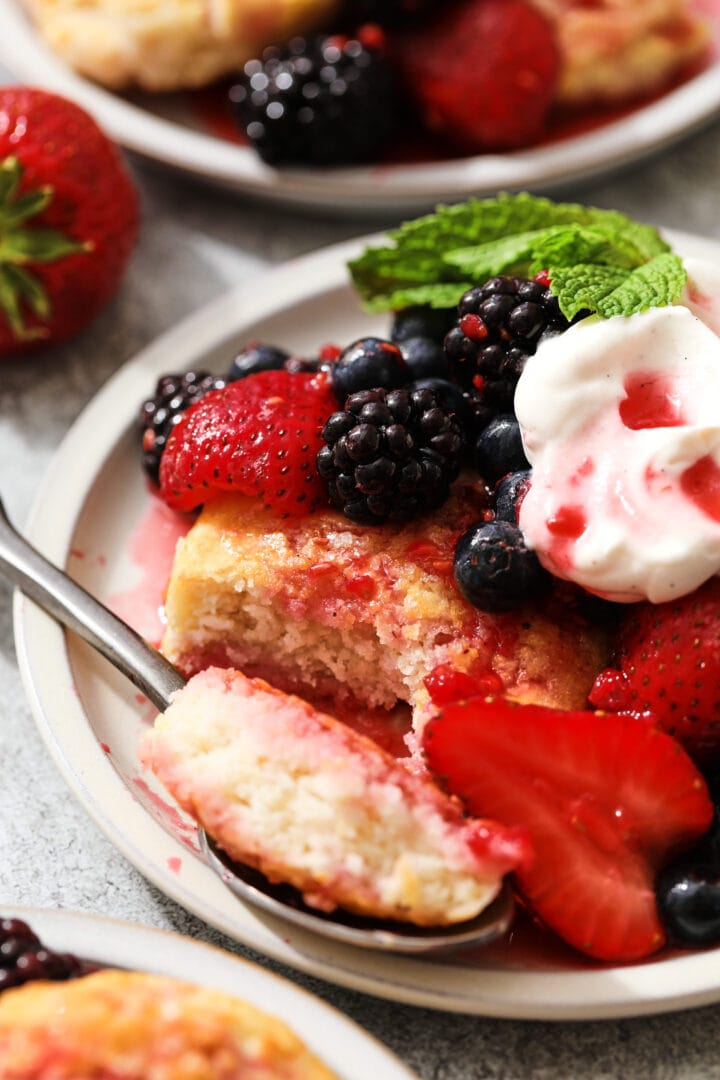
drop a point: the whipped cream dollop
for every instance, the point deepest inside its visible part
(621, 423)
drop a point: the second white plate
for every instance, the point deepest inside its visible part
(342, 1045)
(166, 129)
(86, 519)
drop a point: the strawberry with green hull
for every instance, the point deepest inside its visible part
(607, 801)
(68, 219)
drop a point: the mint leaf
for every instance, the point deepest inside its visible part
(507, 255)
(561, 245)
(656, 284)
(583, 287)
(592, 255)
(434, 296)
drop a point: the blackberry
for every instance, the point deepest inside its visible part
(160, 413)
(317, 101)
(366, 364)
(390, 455)
(23, 957)
(494, 569)
(449, 395)
(499, 325)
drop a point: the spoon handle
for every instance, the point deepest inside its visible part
(70, 604)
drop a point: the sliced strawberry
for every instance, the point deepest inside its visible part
(668, 663)
(257, 436)
(607, 800)
(482, 72)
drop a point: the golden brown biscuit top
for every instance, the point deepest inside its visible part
(120, 1025)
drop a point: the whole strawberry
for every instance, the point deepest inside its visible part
(481, 72)
(258, 436)
(68, 219)
(668, 664)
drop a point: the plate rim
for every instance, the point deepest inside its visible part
(374, 189)
(623, 991)
(166, 952)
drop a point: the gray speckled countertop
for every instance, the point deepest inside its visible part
(196, 243)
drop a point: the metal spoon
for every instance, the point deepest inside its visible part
(60, 596)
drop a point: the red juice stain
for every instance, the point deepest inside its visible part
(430, 557)
(213, 109)
(565, 527)
(164, 811)
(361, 585)
(104, 747)
(151, 549)
(387, 728)
(586, 468)
(652, 401)
(701, 483)
(174, 863)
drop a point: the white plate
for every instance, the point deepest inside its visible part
(162, 128)
(85, 516)
(342, 1045)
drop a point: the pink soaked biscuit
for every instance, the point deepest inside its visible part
(358, 616)
(308, 801)
(124, 1025)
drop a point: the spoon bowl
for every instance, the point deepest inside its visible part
(286, 902)
(65, 600)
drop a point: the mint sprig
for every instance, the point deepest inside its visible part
(597, 260)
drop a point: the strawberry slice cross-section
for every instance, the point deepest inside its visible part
(606, 799)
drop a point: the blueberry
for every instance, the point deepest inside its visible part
(424, 322)
(688, 897)
(494, 569)
(507, 493)
(256, 357)
(499, 449)
(425, 358)
(368, 364)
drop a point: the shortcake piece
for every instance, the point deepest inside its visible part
(129, 1025)
(612, 50)
(168, 44)
(308, 801)
(347, 613)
